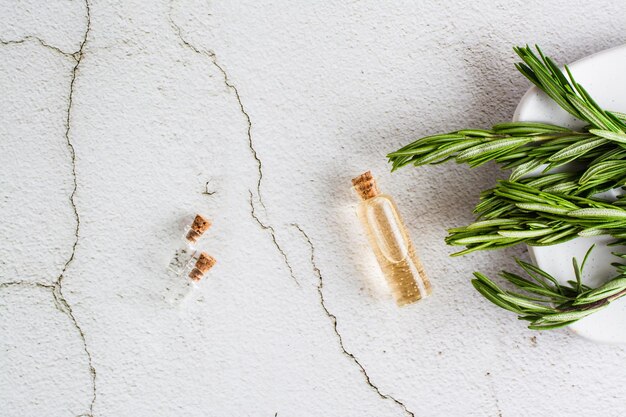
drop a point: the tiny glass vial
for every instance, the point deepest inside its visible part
(181, 287)
(391, 243)
(201, 265)
(186, 251)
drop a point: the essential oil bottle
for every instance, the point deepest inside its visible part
(390, 241)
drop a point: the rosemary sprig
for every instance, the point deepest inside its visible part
(605, 164)
(515, 212)
(544, 302)
(543, 210)
(565, 91)
(526, 146)
(511, 144)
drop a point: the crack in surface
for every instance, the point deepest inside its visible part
(63, 306)
(56, 287)
(213, 58)
(57, 290)
(230, 85)
(78, 56)
(333, 319)
(206, 189)
(43, 43)
(272, 233)
(26, 284)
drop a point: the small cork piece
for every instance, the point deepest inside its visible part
(365, 185)
(196, 274)
(198, 227)
(205, 262)
(202, 266)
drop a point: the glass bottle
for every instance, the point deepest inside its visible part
(189, 264)
(187, 250)
(391, 243)
(203, 262)
(180, 287)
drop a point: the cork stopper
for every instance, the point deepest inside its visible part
(202, 266)
(198, 227)
(365, 185)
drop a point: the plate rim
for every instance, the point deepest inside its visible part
(523, 104)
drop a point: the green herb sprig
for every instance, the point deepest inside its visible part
(526, 146)
(515, 212)
(544, 302)
(566, 92)
(546, 209)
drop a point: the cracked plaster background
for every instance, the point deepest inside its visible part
(276, 106)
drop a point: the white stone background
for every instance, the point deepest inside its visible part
(116, 118)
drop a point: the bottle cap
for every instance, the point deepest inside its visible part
(198, 227)
(365, 185)
(202, 266)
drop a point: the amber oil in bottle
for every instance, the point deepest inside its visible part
(390, 241)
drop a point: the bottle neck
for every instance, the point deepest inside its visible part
(192, 237)
(365, 186)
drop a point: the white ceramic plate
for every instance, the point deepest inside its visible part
(602, 74)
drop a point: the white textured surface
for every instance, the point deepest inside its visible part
(158, 99)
